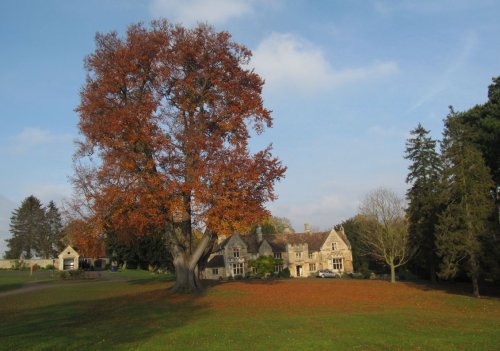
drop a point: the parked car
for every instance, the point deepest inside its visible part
(326, 273)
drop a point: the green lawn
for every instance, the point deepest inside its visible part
(111, 313)
(10, 280)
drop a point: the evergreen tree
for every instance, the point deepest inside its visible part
(423, 203)
(356, 228)
(50, 244)
(463, 226)
(27, 226)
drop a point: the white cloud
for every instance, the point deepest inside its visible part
(389, 7)
(31, 138)
(192, 11)
(285, 60)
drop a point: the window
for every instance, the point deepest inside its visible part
(254, 270)
(312, 267)
(334, 246)
(277, 255)
(215, 271)
(237, 268)
(310, 255)
(278, 268)
(298, 254)
(236, 252)
(337, 264)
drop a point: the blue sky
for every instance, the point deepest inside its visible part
(346, 80)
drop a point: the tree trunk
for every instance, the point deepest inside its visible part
(393, 273)
(186, 266)
(186, 280)
(475, 286)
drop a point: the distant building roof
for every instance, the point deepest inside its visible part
(216, 261)
(279, 241)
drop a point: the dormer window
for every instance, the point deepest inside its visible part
(334, 246)
(236, 252)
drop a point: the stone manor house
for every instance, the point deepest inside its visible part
(302, 253)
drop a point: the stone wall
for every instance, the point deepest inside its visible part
(9, 264)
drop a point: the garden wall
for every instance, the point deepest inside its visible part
(9, 264)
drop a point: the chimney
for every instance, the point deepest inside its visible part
(259, 234)
(307, 228)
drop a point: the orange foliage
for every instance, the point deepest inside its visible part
(86, 238)
(165, 115)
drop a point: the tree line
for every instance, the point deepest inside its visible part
(450, 228)
(39, 231)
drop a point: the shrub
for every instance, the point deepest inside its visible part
(76, 274)
(19, 265)
(50, 266)
(285, 273)
(356, 275)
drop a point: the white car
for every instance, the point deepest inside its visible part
(326, 273)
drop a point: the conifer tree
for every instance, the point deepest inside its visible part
(50, 244)
(423, 202)
(27, 225)
(463, 225)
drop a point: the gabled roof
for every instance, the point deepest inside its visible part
(342, 235)
(216, 261)
(278, 242)
(68, 251)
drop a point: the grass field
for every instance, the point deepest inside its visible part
(134, 311)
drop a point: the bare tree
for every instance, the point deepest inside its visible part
(388, 241)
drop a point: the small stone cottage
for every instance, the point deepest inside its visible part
(302, 253)
(68, 259)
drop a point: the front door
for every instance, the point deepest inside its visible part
(299, 271)
(69, 264)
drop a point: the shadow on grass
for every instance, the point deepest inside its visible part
(123, 322)
(12, 286)
(456, 288)
(211, 283)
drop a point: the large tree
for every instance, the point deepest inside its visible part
(423, 198)
(27, 226)
(464, 225)
(357, 228)
(50, 243)
(166, 115)
(388, 241)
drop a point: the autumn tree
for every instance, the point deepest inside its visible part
(388, 241)
(423, 198)
(464, 226)
(166, 115)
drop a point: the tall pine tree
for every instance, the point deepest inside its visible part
(27, 226)
(464, 224)
(423, 203)
(50, 243)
